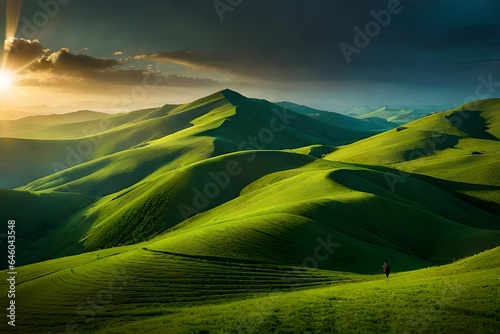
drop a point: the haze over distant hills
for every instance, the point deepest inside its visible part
(45, 109)
(398, 114)
(8, 115)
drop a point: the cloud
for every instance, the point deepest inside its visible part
(65, 61)
(22, 52)
(38, 66)
(117, 53)
(30, 55)
(242, 64)
(83, 51)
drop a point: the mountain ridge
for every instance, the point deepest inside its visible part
(169, 170)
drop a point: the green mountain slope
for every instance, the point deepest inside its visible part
(212, 126)
(40, 216)
(353, 206)
(261, 203)
(229, 121)
(460, 145)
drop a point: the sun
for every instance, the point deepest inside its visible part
(6, 81)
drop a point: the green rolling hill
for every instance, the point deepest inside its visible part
(225, 122)
(460, 145)
(230, 201)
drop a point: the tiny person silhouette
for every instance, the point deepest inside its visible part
(387, 269)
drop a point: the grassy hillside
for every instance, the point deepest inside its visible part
(261, 203)
(231, 214)
(25, 160)
(40, 216)
(285, 210)
(149, 150)
(463, 297)
(129, 289)
(460, 145)
(226, 119)
(188, 133)
(273, 199)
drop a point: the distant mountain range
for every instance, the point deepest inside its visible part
(398, 114)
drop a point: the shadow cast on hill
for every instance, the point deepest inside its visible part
(392, 181)
(471, 123)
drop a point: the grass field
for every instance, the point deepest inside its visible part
(237, 215)
(137, 289)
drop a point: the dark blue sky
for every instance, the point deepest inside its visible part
(431, 51)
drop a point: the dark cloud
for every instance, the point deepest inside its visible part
(65, 61)
(57, 69)
(32, 55)
(428, 45)
(22, 52)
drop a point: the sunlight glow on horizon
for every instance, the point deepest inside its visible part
(6, 81)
